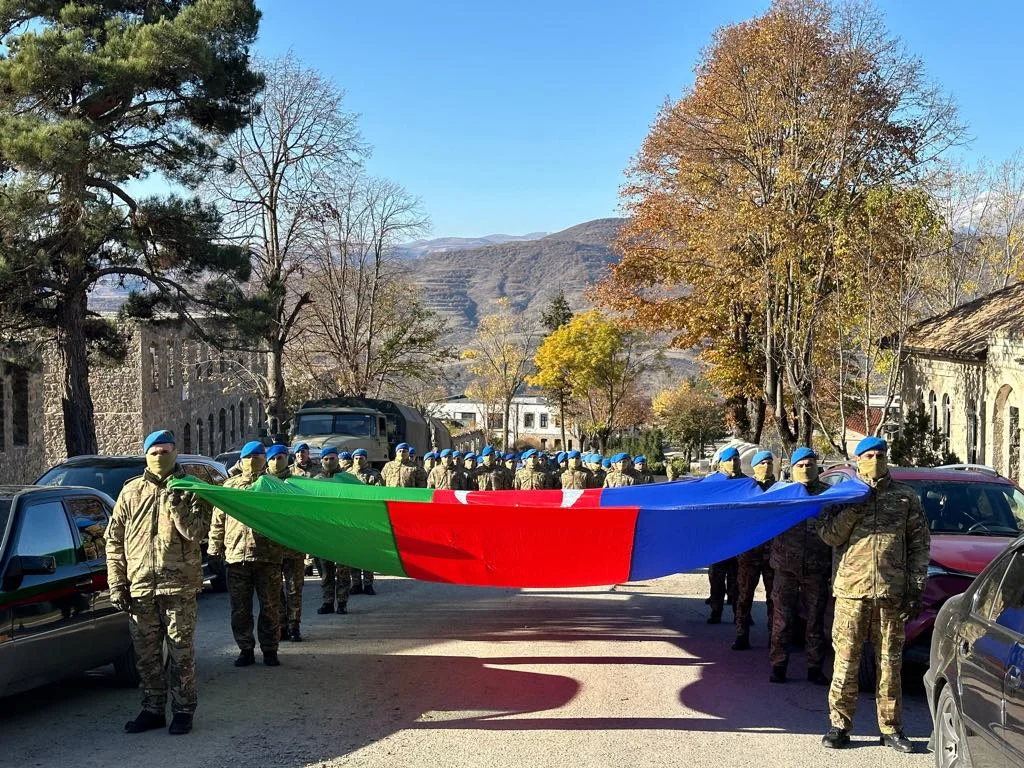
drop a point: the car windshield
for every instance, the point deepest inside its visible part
(359, 424)
(110, 480)
(994, 509)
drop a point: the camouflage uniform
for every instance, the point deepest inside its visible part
(528, 479)
(403, 474)
(880, 565)
(493, 478)
(578, 479)
(619, 479)
(724, 577)
(335, 578)
(445, 478)
(751, 567)
(253, 565)
(643, 478)
(154, 552)
(370, 476)
(802, 563)
(293, 572)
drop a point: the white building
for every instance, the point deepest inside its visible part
(531, 421)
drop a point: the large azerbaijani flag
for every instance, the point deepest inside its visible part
(523, 538)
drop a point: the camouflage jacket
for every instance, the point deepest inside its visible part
(800, 549)
(617, 479)
(599, 477)
(237, 542)
(493, 478)
(881, 545)
(397, 474)
(445, 479)
(368, 475)
(309, 471)
(154, 545)
(578, 479)
(531, 480)
(643, 478)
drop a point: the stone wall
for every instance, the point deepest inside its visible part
(22, 456)
(931, 381)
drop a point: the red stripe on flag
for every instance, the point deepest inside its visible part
(509, 546)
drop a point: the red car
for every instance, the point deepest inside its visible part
(973, 514)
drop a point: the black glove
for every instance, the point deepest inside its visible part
(120, 599)
(216, 563)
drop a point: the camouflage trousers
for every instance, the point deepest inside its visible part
(789, 591)
(752, 567)
(293, 573)
(335, 581)
(722, 576)
(154, 621)
(361, 578)
(265, 580)
(857, 622)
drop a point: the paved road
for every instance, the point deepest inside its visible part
(429, 675)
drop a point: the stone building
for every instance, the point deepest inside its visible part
(168, 380)
(966, 368)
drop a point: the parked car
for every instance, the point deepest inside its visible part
(975, 680)
(973, 514)
(109, 474)
(56, 619)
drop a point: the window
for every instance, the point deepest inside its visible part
(45, 532)
(154, 368)
(527, 421)
(985, 596)
(198, 471)
(543, 421)
(467, 417)
(958, 507)
(543, 443)
(972, 433)
(170, 363)
(359, 424)
(186, 439)
(90, 518)
(1008, 609)
(241, 419)
(19, 405)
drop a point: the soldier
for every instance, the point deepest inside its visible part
(155, 571)
(441, 476)
(293, 563)
(563, 461)
(510, 464)
(403, 472)
(362, 581)
(491, 476)
(643, 477)
(469, 467)
(429, 462)
(304, 466)
(880, 565)
(345, 461)
(754, 564)
(802, 563)
(531, 477)
(620, 476)
(576, 476)
(335, 578)
(723, 574)
(253, 565)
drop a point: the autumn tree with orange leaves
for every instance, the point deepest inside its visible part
(748, 189)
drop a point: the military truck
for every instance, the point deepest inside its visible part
(362, 422)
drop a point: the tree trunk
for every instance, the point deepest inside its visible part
(277, 408)
(76, 395)
(561, 418)
(756, 430)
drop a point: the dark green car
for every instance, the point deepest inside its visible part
(56, 619)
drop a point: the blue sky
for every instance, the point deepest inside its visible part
(520, 117)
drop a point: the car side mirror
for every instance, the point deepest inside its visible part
(20, 566)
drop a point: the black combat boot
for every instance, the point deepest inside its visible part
(836, 738)
(270, 659)
(741, 643)
(715, 617)
(369, 590)
(285, 632)
(816, 676)
(294, 634)
(778, 674)
(246, 658)
(342, 608)
(325, 608)
(146, 721)
(357, 589)
(181, 724)
(897, 741)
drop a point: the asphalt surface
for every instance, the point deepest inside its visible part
(433, 675)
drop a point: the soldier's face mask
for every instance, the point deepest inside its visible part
(329, 463)
(278, 464)
(873, 465)
(253, 465)
(489, 460)
(805, 472)
(763, 471)
(469, 464)
(402, 456)
(161, 463)
(575, 463)
(731, 467)
(359, 462)
(532, 462)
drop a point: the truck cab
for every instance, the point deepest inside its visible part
(345, 428)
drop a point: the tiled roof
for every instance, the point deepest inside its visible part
(964, 331)
(855, 421)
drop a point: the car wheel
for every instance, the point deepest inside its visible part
(950, 736)
(126, 671)
(867, 674)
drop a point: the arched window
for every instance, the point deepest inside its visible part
(242, 431)
(222, 419)
(232, 426)
(199, 435)
(946, 420)
(933, 411)
(186, 439)
(170, 363)
(972, 432)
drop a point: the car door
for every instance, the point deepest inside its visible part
(52, 614)
(1011, 618)
(984, 652)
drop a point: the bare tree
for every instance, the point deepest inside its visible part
(273, 174)
(1005, 220)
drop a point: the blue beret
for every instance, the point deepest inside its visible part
(344, 455)
(870, 444)
(359, 452)
(800, 454)
(457, 454)
(252, 448)
(412, 450)
(621, 456)
(330, 450)
(301, 447)
(640, 460)
(572, 454)
(606, 463)
(470, 456)
(487, 451)
(160, 437)
(509, 456)
(560, 457)
(761, 456)
(429, 455)
(531, 452)
(401, 447)
(446, 453)
(728, 454)
(277, 450)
